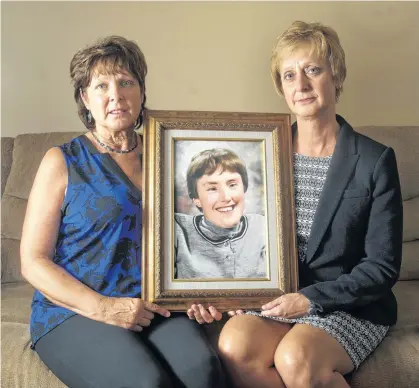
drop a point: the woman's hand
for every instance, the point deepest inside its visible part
(292, 305)
(129, 313)
(202, 315)
(232, 313)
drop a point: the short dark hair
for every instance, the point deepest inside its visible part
(206, 162)
(111, 54)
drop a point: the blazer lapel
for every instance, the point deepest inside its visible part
(341, 167)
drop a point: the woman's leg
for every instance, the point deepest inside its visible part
(309, 357)
(186, 351)
(84, 353)
(259, 352)
(247, 346)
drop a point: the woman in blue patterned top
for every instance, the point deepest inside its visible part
(349, 222)
(81, 245)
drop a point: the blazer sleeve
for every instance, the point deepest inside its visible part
(377, 272)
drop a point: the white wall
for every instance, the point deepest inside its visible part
(205, 56)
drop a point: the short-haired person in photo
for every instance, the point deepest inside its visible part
(222, 241)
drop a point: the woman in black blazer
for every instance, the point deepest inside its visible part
(349, 236)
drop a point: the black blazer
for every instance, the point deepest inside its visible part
(355, 247)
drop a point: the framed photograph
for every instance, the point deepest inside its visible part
(218, 209)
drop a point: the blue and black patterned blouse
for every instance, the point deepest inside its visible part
(99, 240)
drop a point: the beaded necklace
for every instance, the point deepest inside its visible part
(113, 149)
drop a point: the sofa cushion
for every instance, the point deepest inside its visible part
(16, 301)
(28, 152)
(6, 159)
(407, 293)
(21, 367)
(12, 216)
(395, 363)
(10, 268)
(405, 142)
(410, 261)
(410, 219)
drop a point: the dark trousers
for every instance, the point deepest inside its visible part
(172, 352)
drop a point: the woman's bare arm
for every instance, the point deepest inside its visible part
(39, 237)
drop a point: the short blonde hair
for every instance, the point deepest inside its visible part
(324, 42)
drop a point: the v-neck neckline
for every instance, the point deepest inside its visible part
(112, 165)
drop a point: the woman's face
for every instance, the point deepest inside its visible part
(221, 197)
(307, 83)
(114, 100)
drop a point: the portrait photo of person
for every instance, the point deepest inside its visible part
(220, 228)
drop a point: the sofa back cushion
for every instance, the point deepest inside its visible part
(6, 159)
(28, 152)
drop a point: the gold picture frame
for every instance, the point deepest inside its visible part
(262, 141)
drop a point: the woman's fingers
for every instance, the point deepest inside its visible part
(190, 314)
(197, 314)
(154, 308)
(271, 305)
(274, 312)
(147, 314)
(217, 315)
(136, 328)
(202, 315)
(206, 316)
(232, 313)
(144, 322)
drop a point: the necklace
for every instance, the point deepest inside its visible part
(113, 149)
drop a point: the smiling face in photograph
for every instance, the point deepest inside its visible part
(307, 83)
(221, 197)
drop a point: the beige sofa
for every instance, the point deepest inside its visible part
(394, 364)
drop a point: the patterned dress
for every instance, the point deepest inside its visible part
(357, 336)
(99, 239)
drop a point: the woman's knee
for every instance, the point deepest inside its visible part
(235, 341)
(202, 371)
(250, 341)
(292, 365)
(297, 371)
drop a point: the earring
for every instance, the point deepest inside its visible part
(139, 120)
(89, 116)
